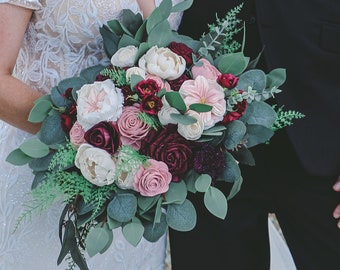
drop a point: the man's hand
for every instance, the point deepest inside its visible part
(336, 212)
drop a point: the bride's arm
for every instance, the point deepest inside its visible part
(146, 6)
(16, 98)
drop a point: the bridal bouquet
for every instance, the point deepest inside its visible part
(123, 144)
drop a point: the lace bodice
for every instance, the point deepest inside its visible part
(62, 38)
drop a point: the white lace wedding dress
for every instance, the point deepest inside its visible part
(62, 38)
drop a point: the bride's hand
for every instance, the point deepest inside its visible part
(336, 212)
(146, 6)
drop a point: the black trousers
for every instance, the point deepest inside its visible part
(277, 184)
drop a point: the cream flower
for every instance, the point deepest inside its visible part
(194, 131)
(95, 164)
(100, 101)
(125, 56)
(134, 71)
(202, 90)
(164, 115)
(162, 62)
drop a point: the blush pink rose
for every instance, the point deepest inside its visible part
(152, 179)
(131, 128)
(77, 134)
(206, 70)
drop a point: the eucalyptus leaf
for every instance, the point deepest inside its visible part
(176, 101)
(181, 217)
(78, 258)
(146, 203)
(40, 111)
(113, 224)
(163, 40)
(133, 232)
(154, 19)
(131, 21)
(34, 148)
(127, 41)
(41, 164)
(231, 171)
(234, 134)
(40, 177)
(122, 207)
(254, 78)
(159, 210)
(134, 80)
(260, 113)
(176, 193)
(216, 202)
(18, 157)
(110, 240)
(88, 75)
(258, 134)
(234, 63)
(190, 179)
(235, 189)
(110, 40)
(141, 34)
(182, 6)
(96, 240)
(243, 155)
(165, 8)
(154, 231)
(276, 77)
(51, 132)
(200, 107)
(203, 182)
(183, 119)
(69, 241)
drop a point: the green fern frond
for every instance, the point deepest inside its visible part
(116, 74)
(220, 39)
(285, 118)
(150, 120)
(64, 157)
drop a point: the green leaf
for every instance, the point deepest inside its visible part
(69, 241)
(154, 231)
(216, 202)
(260, 113)
(110, 239)
(181, 217)
(142, 49)
(184, 5)
(183, 118)
(234, 134)
(88, 75)
(255, 78)
(146, 203)
(165, 8)
(190, 180)
(176, 101)
(141, 34)
(131, 21)
(133, 232)
(110, 40)
(158, 211)
(243, 155)
(116, 27)
(135, 79)
(113, 224)
(40, 110)
(122, 207)
(41, 164)
(200, 107)
(127, 40)
(18, 157)
(51, 132)
(78, 258)
(177, 193)
(236, 188)
(34, 148)
(96, 240)
(154, 19)
(163, 40)
(40, 177)
(276, 77)
(258, 134)
(231, 171)
(234, 63)
(203, 183)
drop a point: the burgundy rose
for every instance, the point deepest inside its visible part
(176, 84)
(151, 105)
(101, 77)
(227, 80)
(68, 93)
(240, 109)
(147, 87)
(66, 122)
(104, 135)
(168, 146)
(182, 50)
(129, 97)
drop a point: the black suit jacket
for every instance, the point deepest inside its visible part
(303, 37)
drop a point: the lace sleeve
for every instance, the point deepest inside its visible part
(175, 18)
(31, 4)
